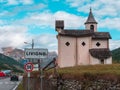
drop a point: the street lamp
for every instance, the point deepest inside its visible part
(32, 44)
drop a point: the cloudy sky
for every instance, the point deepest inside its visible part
(24, 20)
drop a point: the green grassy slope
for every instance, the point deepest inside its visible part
(9, 63)
(116, 55)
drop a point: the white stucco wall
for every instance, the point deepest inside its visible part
(67, 54)
(83, 51)
(108, 61)
(103, 43)
(94, 61)
(97, 61)
(76, 53)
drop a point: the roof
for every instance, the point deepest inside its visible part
(101, 35)
(90, 18)
(76, 33)
(82, 33)
(101, 53)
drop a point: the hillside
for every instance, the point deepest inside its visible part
(9, 63)
(116, 55)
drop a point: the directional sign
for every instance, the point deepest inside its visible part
(36, 53)
(28, 67)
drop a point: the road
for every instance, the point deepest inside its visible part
(6, 84)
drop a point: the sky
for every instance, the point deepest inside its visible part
(24, 20)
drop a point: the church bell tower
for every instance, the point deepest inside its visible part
(91, 23)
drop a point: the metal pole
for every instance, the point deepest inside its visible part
(41, 75)
(40, 69)
(28, 81)
(32, 44)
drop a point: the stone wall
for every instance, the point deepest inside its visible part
(87, 85)
(70, 84)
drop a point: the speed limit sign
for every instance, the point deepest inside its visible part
(28, 67)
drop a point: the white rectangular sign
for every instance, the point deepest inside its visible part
(36, 53)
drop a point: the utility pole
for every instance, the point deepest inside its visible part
(32, 44)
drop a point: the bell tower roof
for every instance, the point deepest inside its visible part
(90, 18)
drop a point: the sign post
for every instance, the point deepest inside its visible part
(28, 68)
(37, 54)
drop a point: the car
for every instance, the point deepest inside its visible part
(14, 78)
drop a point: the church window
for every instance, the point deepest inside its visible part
(91, 27)
(98, 44)
(83, 43)
(67, 43)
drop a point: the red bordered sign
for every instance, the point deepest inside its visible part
(28, 67)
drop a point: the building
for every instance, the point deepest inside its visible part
(82, 47)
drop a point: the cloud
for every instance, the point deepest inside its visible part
(12, 36)
(105, 11)
(33, 7)
(47, 19)
(27, 1)
(15, 36)
(48, 41)
(114, 44)
(1, 22)
(16, 2)
(110, 23)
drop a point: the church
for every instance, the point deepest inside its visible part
(82, 47)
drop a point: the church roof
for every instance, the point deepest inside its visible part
(90, 18)
(83, 33)
(76, 33)
(101, 35)
(101, 53)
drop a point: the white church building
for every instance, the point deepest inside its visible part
(82, 47)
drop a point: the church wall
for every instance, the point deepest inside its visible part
(83, 51)
(103, 44)
(94, 61)
(67, 54)
(108, 61)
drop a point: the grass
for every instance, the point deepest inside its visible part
(78, 72)
(20, 87)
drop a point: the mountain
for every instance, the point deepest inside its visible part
(9, 63)
(116, 55)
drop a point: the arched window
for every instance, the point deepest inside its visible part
(92, 27)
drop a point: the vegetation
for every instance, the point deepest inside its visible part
(9, 63)
(116, 55)
(20, 87)
(92, 71)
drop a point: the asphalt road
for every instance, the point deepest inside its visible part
(6, 84)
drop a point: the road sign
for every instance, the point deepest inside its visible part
(36, 53)
(28, 67)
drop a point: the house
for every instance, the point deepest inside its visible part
(82, 47)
